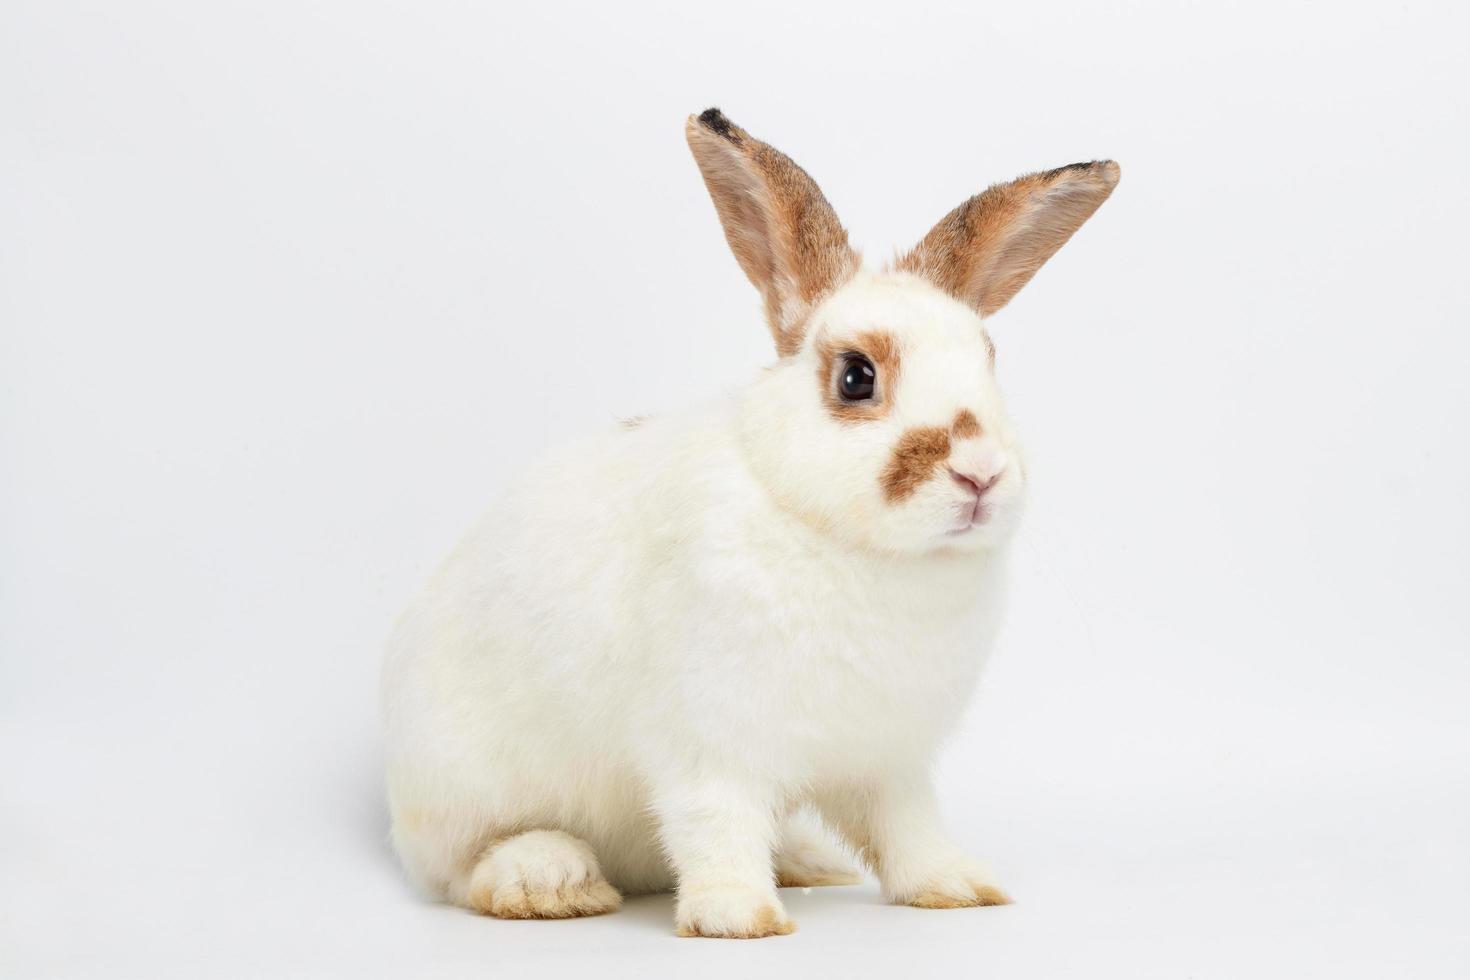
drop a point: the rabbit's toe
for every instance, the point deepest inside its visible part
(731, 913)
(541, 874)
(955, 892)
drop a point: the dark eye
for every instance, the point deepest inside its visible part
(856, 381)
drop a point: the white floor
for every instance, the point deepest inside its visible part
(140, 845)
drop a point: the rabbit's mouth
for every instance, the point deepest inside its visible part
(972, 515)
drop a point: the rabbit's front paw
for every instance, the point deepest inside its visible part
(731, 912)
(954, 891)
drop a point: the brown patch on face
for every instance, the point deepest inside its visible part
(877, 346)
(918, 453)
(882, 350)
(633, 422)
(783, 232)
(966, 425)
(986, 249)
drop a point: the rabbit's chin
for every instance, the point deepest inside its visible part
(993, 532)
(994, 521)
(981, 530)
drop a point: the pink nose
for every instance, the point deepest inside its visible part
(979, 487)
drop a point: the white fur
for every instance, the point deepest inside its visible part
(663, 642)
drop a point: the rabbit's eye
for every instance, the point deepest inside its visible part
(856, 381)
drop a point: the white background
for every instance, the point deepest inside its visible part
(287, 291)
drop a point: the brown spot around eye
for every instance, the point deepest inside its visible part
(877, 346)
(918, 453)
(965, 426)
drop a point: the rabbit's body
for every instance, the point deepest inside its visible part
(672, 653)
(639, 606)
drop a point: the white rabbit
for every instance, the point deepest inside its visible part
(675, 651)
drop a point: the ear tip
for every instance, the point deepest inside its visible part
(714, 121)
(1106, 172)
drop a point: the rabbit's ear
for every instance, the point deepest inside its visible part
(986, 249)
(780, 227)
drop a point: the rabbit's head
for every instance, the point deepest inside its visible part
(882, 422)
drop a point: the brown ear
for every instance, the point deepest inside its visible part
(780, 227)
(986, 249)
